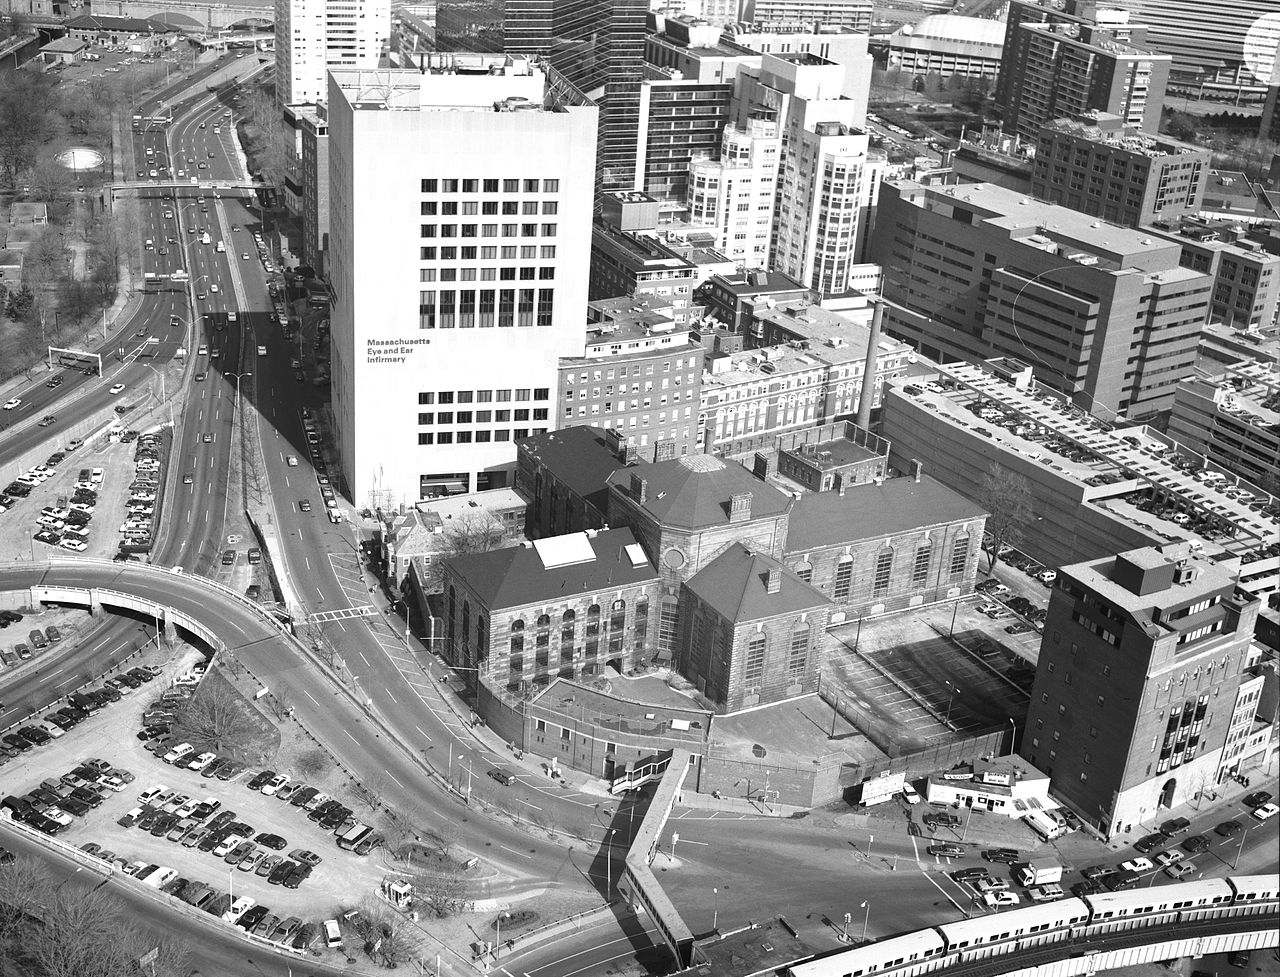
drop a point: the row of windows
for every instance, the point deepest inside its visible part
(490, 186)
(526, 274)
(481, 416)
(519, 394)
(469, 208)
(487, 230)
(470, 308)
(475, 437)
(488, 252)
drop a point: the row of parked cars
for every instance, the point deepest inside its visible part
(37, 640)
(137, 528)
(78, 707)
(56, 803)
(324, 810)
(242, 911)
(200, 824)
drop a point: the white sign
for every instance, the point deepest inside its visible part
(882, 788)
(393, 350)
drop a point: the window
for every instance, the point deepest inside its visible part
(959, 555)
(490, 186)
(798, 653)
(426, 438)
(530, 186)
(430, 186)
(884, 568)
(550, 186)
(920, 572)
(426, 398)
(753, 668)
(843, 579)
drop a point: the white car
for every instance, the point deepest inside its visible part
(12, 404)
(1266, 811)
(995, 900)
(1137, 865)
(274, 784)
(202, 761)
(213, 288)
(116, 388)
(75, 545)
(291, 461)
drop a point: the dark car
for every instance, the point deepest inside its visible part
(297, 875)
(252, 918)
(109, 693)
(36, 736)
(1229, 829)
(73, 806)
(301, 796)
(1122, 879)
(1094, 872)
(174, 887)
(87, 796)
(335, 817)
(281, 872)
(260, 779)
(214, 766)
(934, 818)
(274, 842)
(970, 874)
(210, 841)
(229, 770)
(221, 820)
(1151, 842)
(947, 851)
(1196, 844)
(1257, 798)
(1174, 826)
(318, 814)
(1086, 888)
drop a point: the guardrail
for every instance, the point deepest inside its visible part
(67, 695)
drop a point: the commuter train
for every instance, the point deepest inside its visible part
(934, 949)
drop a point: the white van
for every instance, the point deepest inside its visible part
(332, 934)
(221, 247)
(178, 752)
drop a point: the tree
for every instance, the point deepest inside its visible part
(216, 718)
(280, 702)
(443, 892)
(476, 533)
(79, 935)
(313, 763)
(26, 121)
(1007, 498)
(23, 888)
(20, 304)
(388, 937)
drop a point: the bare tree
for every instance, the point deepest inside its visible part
(313, 763)
(371, 788)
(477, 533)
(280, 702)
(443, 892)
(389, 937)
(397, 828)
(216, 718)
(79, 935)
(1007, 498)
(24, 887)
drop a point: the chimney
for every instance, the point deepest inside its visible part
(773, 580)
(740, 507)
(664, 450)
(614, 441)
(630, 454)
(760, 466)
(917, 469)
(869, 366)
(639, 488)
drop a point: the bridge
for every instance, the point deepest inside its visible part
(187, 14)
(189, 185)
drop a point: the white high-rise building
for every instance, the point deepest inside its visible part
(313, 36)
(828, 175)
(460, 238)
(735, 193)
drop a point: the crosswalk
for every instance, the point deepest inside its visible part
(343, 613)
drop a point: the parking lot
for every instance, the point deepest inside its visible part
(907, 676)
(111, 736)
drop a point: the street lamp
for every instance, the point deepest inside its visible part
(164, 397)
(715, 913)
(951, 699)
(865, 919)
(608, 863)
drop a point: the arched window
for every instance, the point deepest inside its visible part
(517, 625)
(798, 652)
(753, 667)
(843, 581)
(568, 616)
(618, 615)
(593, 620)
(544, 620)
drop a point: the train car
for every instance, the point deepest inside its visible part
(1114, 911)
(1006, 932)
(1257, 894)
(906, 956)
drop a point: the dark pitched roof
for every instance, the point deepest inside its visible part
(693, 492)
(518, 576)
(134, 25)
(870, 511)
(580, 458)
(735, 585)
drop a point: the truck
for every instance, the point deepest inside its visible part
(204, 238)
(1044, 873)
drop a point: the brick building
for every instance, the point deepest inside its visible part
(751, 631)
(825, 458)
(1137, 682)
(565, 476)
(561, 606)
(640, 375)
(886, 545)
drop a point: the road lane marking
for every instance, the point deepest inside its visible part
(350, 737)
(310, 696)
(514, 852)
(393, 777)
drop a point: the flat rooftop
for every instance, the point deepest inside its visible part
(1040, 224)
(829, 455)
(615, 712)
(798, 731)
(1134, 467)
